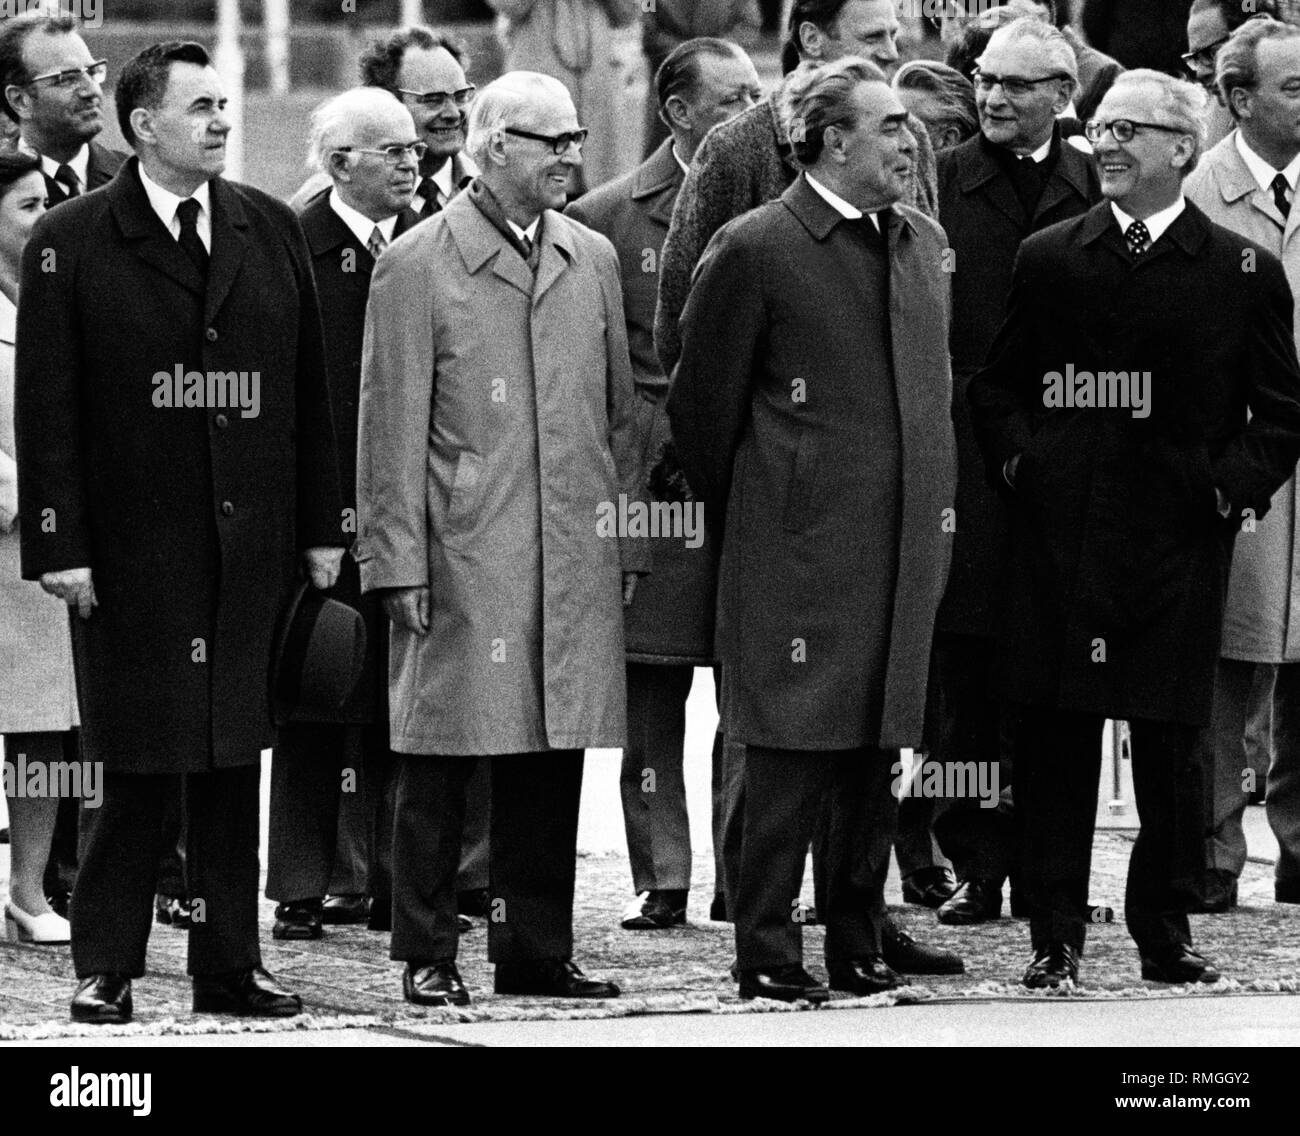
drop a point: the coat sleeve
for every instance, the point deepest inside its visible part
(396, 401)
(8, 491)
(48, 424)
(926, 182)
(1263, 455)
(723, 327)
(320, 496)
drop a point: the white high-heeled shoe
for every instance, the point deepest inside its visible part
(47, 930)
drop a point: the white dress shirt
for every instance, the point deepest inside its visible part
(165, 203)
(80, 165)
(1264, 173)
(836, 202)
(360, 225)
(1156, 224)
(529, 234)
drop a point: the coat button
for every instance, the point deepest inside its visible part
(222, 421)
(227, 509)
(212, 335)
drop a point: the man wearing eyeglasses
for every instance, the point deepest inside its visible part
(1014, 178)
(498, 424)
(1209, 23)
(52, 86)
(1141, 396)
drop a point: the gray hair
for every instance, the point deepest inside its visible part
(821, 95)
(334, 122)
(1182, 105)
(507, 100)
(1058, 47)
(1237, 64)
(954, 93)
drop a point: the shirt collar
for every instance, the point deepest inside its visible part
(836, 202)
(685, 168)
(1040, 155)
(1261, 171)
(1157, 223)
(80, 164)
(165, 202)
(358, 223)
(530, 232)
(8, 320)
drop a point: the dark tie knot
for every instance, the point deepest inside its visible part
(1138, 237)
(1280, 191)
(188, 213)
(66, 176)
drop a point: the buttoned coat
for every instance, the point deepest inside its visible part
(985, 223)
(813, 403)
(496, 420)
(1119, 561)
(1261, 622)
(191, 519)
(671, 618)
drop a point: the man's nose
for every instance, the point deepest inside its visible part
(887, 52)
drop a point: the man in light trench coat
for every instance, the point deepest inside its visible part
(496, 430)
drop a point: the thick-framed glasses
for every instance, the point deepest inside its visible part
(392, 155)
(1123, 129)
(559, 143)
(436, 100)
(64, 80)
(1204, 56)
(1012, 86)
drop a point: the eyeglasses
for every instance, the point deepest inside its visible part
(393, 155)
(436, 100)
(1012, 86)
(72, 77)
(1124, 128)
(1203, 55)
(559, 142)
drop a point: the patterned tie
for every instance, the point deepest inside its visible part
(187, 212)
(66, 176)
(1280, 189)
(1137, 237)
(376, 244)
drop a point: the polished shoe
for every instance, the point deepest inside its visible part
(1217, 893)
(476, 902)
(464, 923)
(863, 976)
(907, 956)
(299, 920)
(976, 900)
(1286, 891)
(784, 984)
(655, 910)
(1053, 966)
(173, 911)
(4, 835)
(930, 887)
(104, 999)
(1178, 965)
(252, 993)
(557, 978)
(47, 930)
(718, 908)
(434, 984)
(345, 909)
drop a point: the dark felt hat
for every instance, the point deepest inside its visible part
(320, 649)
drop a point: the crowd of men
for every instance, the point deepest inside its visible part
(981, 376)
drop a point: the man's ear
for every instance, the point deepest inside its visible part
(677, 113)
(339, 166)
(1183, 152)
(812, 40)
(142, 124)
(1239, 102)
(20, 98)
(833, 141)
(1064, 93)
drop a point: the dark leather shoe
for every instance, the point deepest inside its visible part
(556, 978)
(930, 887)
(784, 984)
(104, 999)
(1286, 891)
(298, 920)
(655, 910)
(1218, 893)
(438, 984)
(975, 901)
(907, 956)
(476, 902)
(863, 976)
(345, 909)
(173, 911)
(381, 913)
(1053, 966)
(1179, 964)
(252, 993)
(718, 908)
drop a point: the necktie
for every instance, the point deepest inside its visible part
(1138, 237)
(1280, 189)
(187, 212)
(376, 244)
(428, 190)
(67, 177)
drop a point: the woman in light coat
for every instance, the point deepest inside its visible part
(38, 700)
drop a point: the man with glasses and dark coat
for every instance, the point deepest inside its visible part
(1015, 177)
(1141, 397)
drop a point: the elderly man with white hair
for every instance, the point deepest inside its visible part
(1140, 406)
(496, 439)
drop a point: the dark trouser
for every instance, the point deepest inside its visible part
(112, 906)
(1059, 766)
(61, 867)
(981, 842)
(915, 846)
(1229, 771)
(843, 799)
(532, 850)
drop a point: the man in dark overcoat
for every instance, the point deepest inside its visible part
(175, 439)
(812, 405)
(1142, 393)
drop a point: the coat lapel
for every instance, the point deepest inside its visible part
(1069, 178)
(557, 252)
(478, 241)
(980, 173)
(326, 232)
(144, 230)
(229, 245)
(657, 183)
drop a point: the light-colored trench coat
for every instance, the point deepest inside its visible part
(1261, 622)
(37, 689)
(496, 415)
